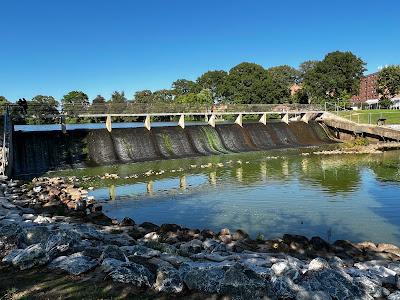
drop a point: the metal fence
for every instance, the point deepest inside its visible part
(85, 109)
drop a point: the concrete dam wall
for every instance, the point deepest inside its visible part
(38, 152)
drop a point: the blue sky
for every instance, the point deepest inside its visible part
(50, 47)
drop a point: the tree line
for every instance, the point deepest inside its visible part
(334, 78)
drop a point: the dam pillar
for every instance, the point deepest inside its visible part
(263, 119)
(182, 121)
(285, 118)
(63, 125)
(239, 120)
(147, 124)
(108, 123)
(212, 120)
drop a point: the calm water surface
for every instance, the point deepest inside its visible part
(354, 197)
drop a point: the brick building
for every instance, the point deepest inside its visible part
(367, 89)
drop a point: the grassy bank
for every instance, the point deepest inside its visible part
(371, 116)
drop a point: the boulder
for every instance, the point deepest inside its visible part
(33, 255)
(36, 234)
(12, 237)
(127, 222)
(133, 273)
(75, 264)
(319, 244)
(61, 241)
(284, 287)
(149, 227)
(307, 295)
(109, 264)
(240, 282)
(394, 296)
(192, 247)
(169, 228)
(338, 285)
(142, 251)
(112, 251)
(168, 280)
(240, 235)
(206, 280)
(318, 264)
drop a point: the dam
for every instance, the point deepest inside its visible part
(36, 152)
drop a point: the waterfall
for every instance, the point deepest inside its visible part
(38, 152)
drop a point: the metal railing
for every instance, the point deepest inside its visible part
(129, 108)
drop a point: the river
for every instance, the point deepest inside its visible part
(353, 197)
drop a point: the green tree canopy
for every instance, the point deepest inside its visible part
(389, 82)
(336, 77)
(246, 83)
(280, 80)
(184, 86)
(99, 99)
(118, 97)
(213, 81)
(3, 100)
(306, 67)
(203, 97)
(75, 102)
(145, 96)
(41, 106)
(163, 95)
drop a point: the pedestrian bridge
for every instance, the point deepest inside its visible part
(211, 113)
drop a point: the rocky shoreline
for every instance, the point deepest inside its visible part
(53, 225)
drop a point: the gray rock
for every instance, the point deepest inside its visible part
(394, 296)
(168, 280)
(36, 234)
(74, 264)
(43, 220)
(62, 241)
(192, 247)
(370, 286)
(318, 264)
(33, 255)
(312, 295)
(394, 266)
(204, 280)
(283, 287)
(133, 273)
(337, 284)
(142, 251)
(11, 237)
(174, 260)
(113, 251)
(280, 268)
(204, 276)
(9, 258)
(240, 282)
(110, 264)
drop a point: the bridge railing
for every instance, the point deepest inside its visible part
(129, 108)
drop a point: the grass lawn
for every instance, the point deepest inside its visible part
(371, 116)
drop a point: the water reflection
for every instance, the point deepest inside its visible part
(336, 197)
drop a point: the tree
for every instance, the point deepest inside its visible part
(203, 97)
(306, 67)
(280, 80)
(42, 106)
(388, 84)
(214, 81)
(75, 102)
(118, 97)
(246, 83)
(99, 100)
(183, 87)
(165, 96)
(118, 102)
(3, 100)
(145, 96)
(336, 77)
